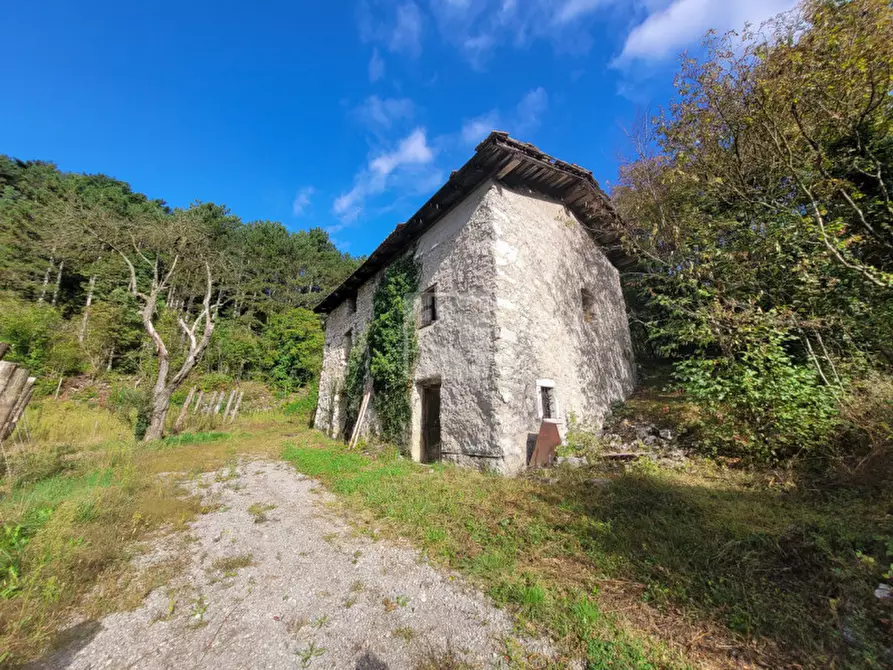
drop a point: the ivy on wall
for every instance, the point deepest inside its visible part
(387, 352)
(355, 382)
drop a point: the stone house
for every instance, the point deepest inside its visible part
(520, 313)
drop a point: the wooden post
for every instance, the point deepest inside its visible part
(229, 403)
(236, 408)
(198, 403)
(219, 403)
(178, 424)
(16, 389)
(4, 347)
(210, 404)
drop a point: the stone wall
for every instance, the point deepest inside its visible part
(509, 269)
(544, 260)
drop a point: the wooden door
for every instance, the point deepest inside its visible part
(430, 423)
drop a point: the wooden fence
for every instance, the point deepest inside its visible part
(212, 405)
(16, 389)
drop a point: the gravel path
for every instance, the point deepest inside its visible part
(276, 580)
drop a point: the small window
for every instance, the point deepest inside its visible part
(352, 304)
(429, 306)
(348, 344)
(588, 304)
(547, 398)
(546, 403)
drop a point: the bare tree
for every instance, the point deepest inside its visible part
(159, 248)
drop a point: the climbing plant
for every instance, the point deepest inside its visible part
(393, 348)
(387, 353)
(355, 382)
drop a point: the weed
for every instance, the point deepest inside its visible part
(259, 512)
(357, 586)
(230, 565)
(405, 633)
(402, 601)
(198, 609)
(320, 622)
(310, 652)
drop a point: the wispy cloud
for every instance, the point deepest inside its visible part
(529, 112)
(378, 113)
(376, 67)
(302, 200)
(476, 129)
(401, 165)
(669, 29)
(407, 35)
(525, 118)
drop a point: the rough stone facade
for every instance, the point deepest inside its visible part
(525, 298)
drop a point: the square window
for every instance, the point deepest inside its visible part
(429, 306)
(546, 402)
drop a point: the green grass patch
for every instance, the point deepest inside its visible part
(482, 524)
(191, 438)
(749, 562)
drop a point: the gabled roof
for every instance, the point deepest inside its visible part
(515, 164)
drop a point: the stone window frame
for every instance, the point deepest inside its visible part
(540, 385)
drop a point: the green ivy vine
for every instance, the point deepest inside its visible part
(387, 352)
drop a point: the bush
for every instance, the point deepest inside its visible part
(760, 405)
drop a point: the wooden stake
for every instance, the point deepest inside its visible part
(198, 403)
(178, 424)
(232, 416)
(229, 403)
(219, 403)
(356, 429)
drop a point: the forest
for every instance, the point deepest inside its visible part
(100, 280)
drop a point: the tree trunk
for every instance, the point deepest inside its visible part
(108, 368)
(83, 330)
(46, 277)
(58, 283)
(161, 401)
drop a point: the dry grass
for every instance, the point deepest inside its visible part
(77, 505)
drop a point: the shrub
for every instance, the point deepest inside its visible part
(759, 405)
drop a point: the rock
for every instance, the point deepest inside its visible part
(598, 481)
(571, 461)
(665, 434)
(883, 592)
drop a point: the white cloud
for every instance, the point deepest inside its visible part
(301, 201)
(376, 67)
(407, 165)
(669, 29)
(476, 129)
(573, 9)
(407, 35)
(530, 110)
(382, 113)
(412, 150)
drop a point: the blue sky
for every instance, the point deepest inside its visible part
(344, 115)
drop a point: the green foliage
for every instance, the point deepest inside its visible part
(393, 348)
(30, 329)
(759, 210)
(759, 404)
(355, 381)
(292, 345)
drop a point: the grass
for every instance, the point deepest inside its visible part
(230, 565)
(78, 502)
(658, 568)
